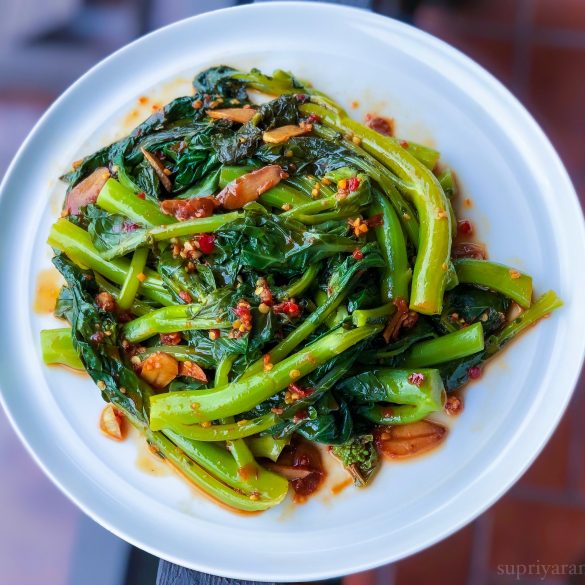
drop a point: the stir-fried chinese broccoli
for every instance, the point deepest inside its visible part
(244, 280)
(360, 457)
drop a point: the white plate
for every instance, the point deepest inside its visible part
(526, 210)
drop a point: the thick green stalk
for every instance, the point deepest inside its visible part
(138, 308)
(448, 183)
(452, 346)
(394, 415)
(540, 309)
(227, 174)
(377, 316)
(335, 318)
(419, 183)
(213, 469)
(57, 348)
(327, 216)
(411, 394)
(169, 320)
(115, 198)
(306, 184)
(503, 279)
(132, 281)
(166, 232)
(238, 448)
(396, 276)
(282, 82)
(425, 154)
(192, 226)
(267, 446)
(312, 207)
(76, 243)
(298, 287)
(206, 405)
(222, 372)
(189, 227)
(225, 432)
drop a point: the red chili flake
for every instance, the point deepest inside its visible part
(357, 254)
(403, 143)
(302, 392)
(300, 416)
(105, 301)
(170, 338)
(290, 308)
(125, 316)
(464, 227)
(375, 220)
(401, 305)
(185, 296)
(381, 125)
(416, 378)
(314, 118)
(474, 372)
(353, 183)
(242, 311)
(453, 405)
(206, 243)
(244, 321)
(141, 195)
(302, 97)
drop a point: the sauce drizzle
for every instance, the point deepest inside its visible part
(49, 283)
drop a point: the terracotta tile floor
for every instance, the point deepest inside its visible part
(537, 49)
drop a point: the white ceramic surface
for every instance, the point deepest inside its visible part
(524, 205)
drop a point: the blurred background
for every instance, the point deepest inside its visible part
(536, 48)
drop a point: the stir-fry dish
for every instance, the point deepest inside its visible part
(247, 279)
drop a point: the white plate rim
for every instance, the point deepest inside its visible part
(554, 415)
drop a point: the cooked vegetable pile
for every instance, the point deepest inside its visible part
(245, 280)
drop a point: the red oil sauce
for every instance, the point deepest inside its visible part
(248, 471)
(149, 461)
(380, 124)
(304, 455)
(69, 369)
(49, 284)
(465, 242)
(339, 487)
